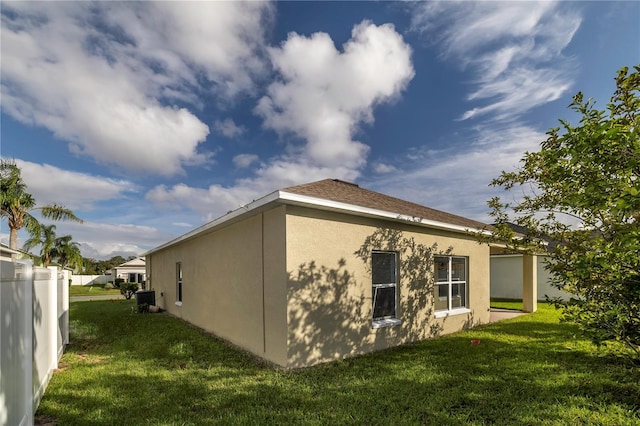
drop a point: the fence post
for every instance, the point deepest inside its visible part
(16, 343)
(52, 297)
(63, 304)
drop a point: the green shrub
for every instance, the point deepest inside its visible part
(118, 282)
(108, 286)
(128, 289)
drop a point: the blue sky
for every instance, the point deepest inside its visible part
(149, 119)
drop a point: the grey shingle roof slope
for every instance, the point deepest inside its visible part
(350, 193)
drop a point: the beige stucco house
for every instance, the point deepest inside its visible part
(324, 271)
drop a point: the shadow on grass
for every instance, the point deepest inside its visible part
(126, 368)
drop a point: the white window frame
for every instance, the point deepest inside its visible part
(391, 320)
(179, 289)
(449, 283)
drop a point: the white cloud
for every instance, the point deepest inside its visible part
(228, 128)
(382, 168)
(217, 200)
(105, 240)
(325, 94)
(76, 191)
(183, 224)
(323, 97)
(210, 203)
(245, 160)
(457, 181)
(107, 76)
(514, 49)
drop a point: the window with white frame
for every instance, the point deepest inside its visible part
(179, 282)
(450, 289)
(384, 274)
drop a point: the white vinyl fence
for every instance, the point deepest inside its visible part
(90, 279)
(34, 325)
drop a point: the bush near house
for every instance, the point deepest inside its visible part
(128, 289)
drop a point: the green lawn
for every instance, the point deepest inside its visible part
(127, 368)
(507, 304)
(92, 290)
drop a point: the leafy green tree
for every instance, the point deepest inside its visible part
(89, 266)
(16, 205)
(116, 260)
(583, 192)
(46, 238)
(67, 252)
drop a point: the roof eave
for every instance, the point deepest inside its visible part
(210, 226)
(306, 200)
(291, 198)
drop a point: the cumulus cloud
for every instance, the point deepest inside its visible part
(514, 50)
(105, 240)
(228, 128)
(245, 160)
(324, 94)
(217, 200)
(113, 78)
(210, 202)
(382, 168)
(76, 191)
(453, 180)
(321, 98)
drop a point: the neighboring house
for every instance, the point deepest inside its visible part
(324, 271)
(6, 254)
(507, 272)
(133, 271)
(506, 278)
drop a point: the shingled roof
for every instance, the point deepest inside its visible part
(350, 193)
(337, 195)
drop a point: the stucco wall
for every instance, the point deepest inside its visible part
(329, 286)
(506, 278)
(223, 282)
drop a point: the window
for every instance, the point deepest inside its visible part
(450, 289)
(179, 283)
(384, 274)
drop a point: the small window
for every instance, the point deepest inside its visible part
(179, 282)
(450, 290)
(384, 274)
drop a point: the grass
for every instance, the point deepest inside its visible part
(92, 290)
(128, 368)
(507, 304)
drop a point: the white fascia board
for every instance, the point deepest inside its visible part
(290, 198)
(219, 221)
(314, 202)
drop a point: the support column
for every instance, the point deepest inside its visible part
(529, 283)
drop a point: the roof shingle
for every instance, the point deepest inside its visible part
(350, 193)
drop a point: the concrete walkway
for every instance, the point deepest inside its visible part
(498, 314)
(90, 298)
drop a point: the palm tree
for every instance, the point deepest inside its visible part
(67, 252)
(46, 237)
(16, 204)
